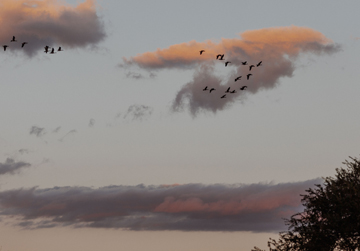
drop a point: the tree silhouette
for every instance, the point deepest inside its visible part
(331, 219)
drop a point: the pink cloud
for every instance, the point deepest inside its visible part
(49, 22)
(277, 48)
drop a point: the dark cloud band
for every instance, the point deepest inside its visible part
(190, 207)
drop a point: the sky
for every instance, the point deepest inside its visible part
(113, 143)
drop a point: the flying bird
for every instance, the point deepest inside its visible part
(238, 78)
(233, 91)
(52, 51)
(205, 88)
(13, 39)
(248, 76)
(259, 64)
(243, 88)
(23, 44)
(244, 63)
(46, 48)
(212, 89)
(228, 89)
(218, 55)
(223, 96)
(5, 46)
(226, 63)
(251, 66)
(222, 57)
(60, 49)
(202, 51)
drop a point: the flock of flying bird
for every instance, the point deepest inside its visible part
(218, 57)
(221, 57)
(24, 43)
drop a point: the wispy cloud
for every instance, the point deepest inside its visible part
(12, 167)
(37, 131)
(91, 123)
(57, 129)
(49, 22)
(191, 207)
(67, 134)
(137, 75)
(354, 38)
(23, 151)
(134, 75)
(277, 48)
(138, 112)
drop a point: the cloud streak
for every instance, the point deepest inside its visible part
(37, 131)
(49, 22)
(278, 48)
(12, 167)
(189, 207)
(138, 112)
(67, 134)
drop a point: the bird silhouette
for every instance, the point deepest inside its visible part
(243, 88)
(205, 88)
(248, 76)
(238, 78)
(46, 49)
(218, 55)
(23, 44)
(52, 51)
(226, 63)
(5, 46)
(251, 66)
(222, 57)
(244, 63)
(228, 89)
(201, 52)
(223, 96)
(212, 89)
(233, 91)
(60, 49)
(259, 64)
(13, 39)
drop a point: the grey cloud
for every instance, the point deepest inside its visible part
(152, 75)
(49, 23)
(12, 167)
(57, 129)
(91, 122)
(37, 131)
(267, 76)
(278, 48)
(136, 75)
(67, 134)
(138, 112)
(23, 151)
(190, 207)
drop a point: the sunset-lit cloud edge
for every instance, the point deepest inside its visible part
(49, 22)
(277, 48)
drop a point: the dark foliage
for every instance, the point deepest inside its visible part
(331, 219)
